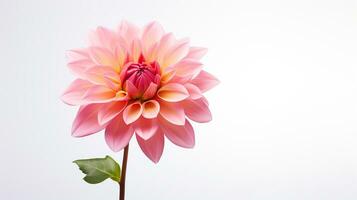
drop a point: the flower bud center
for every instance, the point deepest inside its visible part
(141, 75)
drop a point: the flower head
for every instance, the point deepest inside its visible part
(141, 81)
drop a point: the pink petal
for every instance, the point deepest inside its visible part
(103, 57)
(150, 91)
(99, 94)
(183, 136)
(151, 34)
(173, 92)
(132, 112)
(176, 53)
(153, 147)
(103, 75)
(205, 81)
(75, 92)
(145, 128)
(164, 45)
(196, 53)
(128, 31)
(110, 110)
(132, 91)
(194, 91)
(197, 110)
(187, 67)
(77, 54)
(167, 76)
(118, 134)
(121, 55)
(103, 37)
(151, 109)
(135, 50)
(79, 67)
(172, 112)
(86, 121)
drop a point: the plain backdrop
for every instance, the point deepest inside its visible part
(284, 116)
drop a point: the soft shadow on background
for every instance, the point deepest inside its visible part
(285, 113)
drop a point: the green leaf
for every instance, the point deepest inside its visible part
(99, 169)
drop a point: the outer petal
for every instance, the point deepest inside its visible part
(152, 147)
(103, 57)
(194, 91)
(151, 109)
(172, 112)
(187, 67)
(151, 34)
(118, 134)
(197, 110)
(196, 52)
(164, 45)
(205, 81)
(110, 110)
(74, 93)
(103, 75)
(103, 37)
(86, 121)
(183, 136)
(176, 53)
(145, 128)
(173, 92)
(99, 94)
(132, 112)
(79, 67)
(77, 54)
(128, 31)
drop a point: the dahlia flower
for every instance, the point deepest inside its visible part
(139, 81)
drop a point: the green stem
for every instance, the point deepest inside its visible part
(123, 173)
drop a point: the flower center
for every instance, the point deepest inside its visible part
(141, 75)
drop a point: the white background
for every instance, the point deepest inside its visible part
(285, 113)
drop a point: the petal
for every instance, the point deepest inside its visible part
(151, 34)
(152, 147)
(132, 91)
(151, 109)
(132, 112)
(164, 45)
(110, 110)
(145, 128)
(75, 91)
(182, 136)
(205, 81)
(118, 134)
(86, 121)
(135, 50)
(168, 75)
(103, 37)
(103, 75)
(176, 53)
(150, 91)
(173, 92)
(77, 54)
(197, 110)
(128, 31)
(187, 67)
(103, 57)
(194, 91)
(196, 52)
(172, 112)
(99, 94)
(120, 54)
(79, 67)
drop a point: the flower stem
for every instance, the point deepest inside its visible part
(123, 173)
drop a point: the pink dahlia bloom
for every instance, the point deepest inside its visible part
(141, 81)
